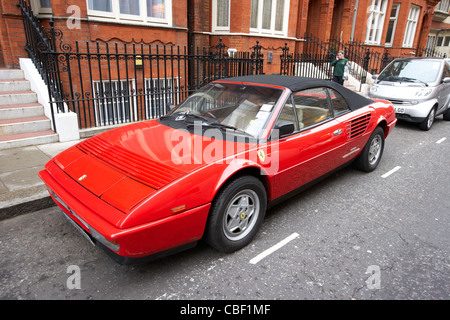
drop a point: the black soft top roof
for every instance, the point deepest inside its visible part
(354, 100)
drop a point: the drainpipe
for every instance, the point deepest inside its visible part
(190, 44)
(355, 12)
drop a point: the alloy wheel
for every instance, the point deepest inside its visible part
(241, 214)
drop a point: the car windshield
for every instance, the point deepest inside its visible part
(230, 106)
(416, 71)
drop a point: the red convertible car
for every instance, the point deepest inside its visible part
(211, 167)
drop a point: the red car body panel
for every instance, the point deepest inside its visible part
(139, 189)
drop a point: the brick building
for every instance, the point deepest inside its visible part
(402, 25)
(109, 51)
(439, 36)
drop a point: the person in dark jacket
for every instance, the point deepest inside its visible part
(339, 67)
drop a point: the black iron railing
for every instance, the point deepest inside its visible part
(315, 57)
(108, 83)
(40, 42)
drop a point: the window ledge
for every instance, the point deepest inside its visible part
(160, 24)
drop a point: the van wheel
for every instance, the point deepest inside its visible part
(429, 120)
(236, 214)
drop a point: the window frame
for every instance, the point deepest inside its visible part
(330, 108)
(215, 12)
(259, 19)
(446, 41)
(411, 26)
(142, 19)
(446, 72)
(443, 6)
(335, 113)
(297, 128)
(375, 21)
(40, 11)
(103, 104)
(394, 27)
(431, 40)
(173, 83)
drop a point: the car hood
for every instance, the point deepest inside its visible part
(398, 91)
(126, 165)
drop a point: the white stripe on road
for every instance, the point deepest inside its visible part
(280, 244)
(441, 140)
(387, 174)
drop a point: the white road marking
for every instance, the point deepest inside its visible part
(387, 174)
(441, 140)
(274, 248)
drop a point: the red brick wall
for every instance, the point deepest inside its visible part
(405, 5)
(12, 39)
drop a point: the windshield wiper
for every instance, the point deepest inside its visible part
(221, 126)
(195, 116)
(400, 79)
(412, 80)
(183, 115)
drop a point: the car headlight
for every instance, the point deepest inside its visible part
(374, 88)
(422, 93)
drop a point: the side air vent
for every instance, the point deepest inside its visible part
(358, 126)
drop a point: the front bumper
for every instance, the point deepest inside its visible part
(413, 113)
(405, 110)
(125, 245)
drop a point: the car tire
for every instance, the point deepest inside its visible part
(236, 214)
(447, 114)
(371, 155)
(429, 120)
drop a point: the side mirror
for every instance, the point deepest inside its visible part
(284, 128)
(446, 80)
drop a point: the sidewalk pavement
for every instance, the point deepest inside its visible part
(21, 189)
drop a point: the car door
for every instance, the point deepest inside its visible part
(313, 150)
(444, 89)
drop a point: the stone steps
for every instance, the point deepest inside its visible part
(22, 118)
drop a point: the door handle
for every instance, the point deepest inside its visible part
(337, 132)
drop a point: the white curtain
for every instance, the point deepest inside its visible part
(279, 15)
(223, 7)
(267, 14)
(129, 7)
(254, 14)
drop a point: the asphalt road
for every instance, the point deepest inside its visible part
(382, 235)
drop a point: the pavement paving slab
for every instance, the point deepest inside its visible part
(21, 189)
